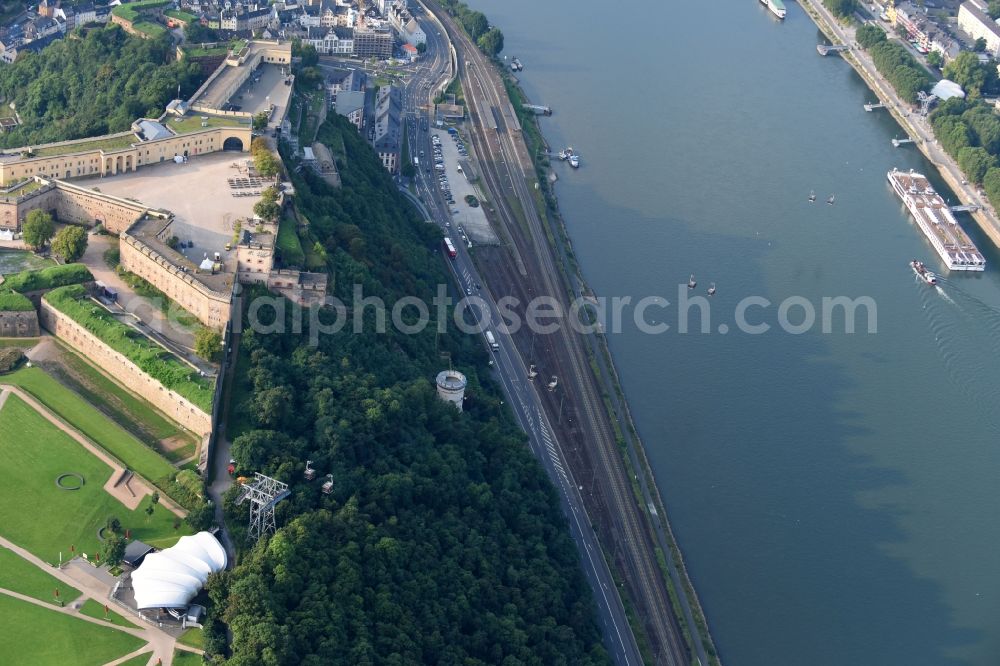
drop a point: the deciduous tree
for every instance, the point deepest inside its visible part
(37, 229)
(113, 550)
(70, 243)
(208, 343)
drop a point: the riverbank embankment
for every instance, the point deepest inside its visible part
(915, 125)
(685, 601)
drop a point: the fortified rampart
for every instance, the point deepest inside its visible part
(19, 324)
(212, 307)
(105, 157)
(70, 203)
(124, 371)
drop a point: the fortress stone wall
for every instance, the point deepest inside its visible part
(90, 160)
(124, 371)
(211, 307)
(19, 324)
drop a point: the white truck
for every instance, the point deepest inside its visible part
(492, 340)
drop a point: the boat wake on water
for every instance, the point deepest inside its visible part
(943, 294)
(966, 330)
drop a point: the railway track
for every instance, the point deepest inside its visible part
(633, 545)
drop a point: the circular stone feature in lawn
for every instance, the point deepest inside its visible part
(61, 481)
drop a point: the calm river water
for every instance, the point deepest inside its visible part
(836, 496)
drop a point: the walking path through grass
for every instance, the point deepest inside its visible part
(96, 610)
(26, 577)
(161, 643)
(47, 520)
(138, 658)
(38, 634)
(109, 435)
(57, 419)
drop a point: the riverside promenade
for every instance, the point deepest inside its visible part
(916, 126)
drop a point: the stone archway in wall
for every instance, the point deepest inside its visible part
(233, 143)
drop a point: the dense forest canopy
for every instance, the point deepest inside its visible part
(90, 83)
(442, 542)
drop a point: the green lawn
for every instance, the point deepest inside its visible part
(106, 144)
(35, 636)
(187, 659)
(192, 123)
(20, 343)
(15, 261)
(24, 187)
(139, 660)
(182, 16)
(94, 609)
(98, 427)
(19, 575)
(149, 28)
(194, 637)
(37, 515)
(141, 418)
(289, 245)
(198, 52)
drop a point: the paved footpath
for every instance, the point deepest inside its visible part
(161, 643)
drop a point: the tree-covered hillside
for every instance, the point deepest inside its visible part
(442, 542)
(91, 83)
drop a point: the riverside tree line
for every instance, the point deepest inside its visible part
(967, 129)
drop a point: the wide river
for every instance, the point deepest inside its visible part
(836, 496)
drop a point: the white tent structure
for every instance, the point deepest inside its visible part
(945, 89)
(171, 578)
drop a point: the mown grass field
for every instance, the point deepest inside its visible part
(139, 417)
(75, 410)
(46, 520)
(36, 636)
(193, 637)
(138, 660)
(94, 609)
(22, 576)
(187, 659)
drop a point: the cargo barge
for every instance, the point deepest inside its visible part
(936, 220)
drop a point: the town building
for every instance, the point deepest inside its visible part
(351, 105)
(974, 20)
(387, 130)
(373, 43)
(404, 24)
(337, 40)
(345, 79)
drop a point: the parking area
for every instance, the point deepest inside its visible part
(471, 218)
(266, 87)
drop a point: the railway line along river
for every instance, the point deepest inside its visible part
(835, 494)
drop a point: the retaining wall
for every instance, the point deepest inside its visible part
(19, 324)
(124, 371)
